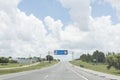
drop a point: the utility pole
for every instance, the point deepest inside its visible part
(30, 58)
(96, 60)
(49, 56)
(72, 55)
(40, 58)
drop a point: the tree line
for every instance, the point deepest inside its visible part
(111, 59)
(4, 60)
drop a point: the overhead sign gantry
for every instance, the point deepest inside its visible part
(61, 52)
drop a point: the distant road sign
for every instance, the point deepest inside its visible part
(61, 52)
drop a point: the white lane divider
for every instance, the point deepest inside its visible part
(79, 74)
(46, 77)
(76, 72)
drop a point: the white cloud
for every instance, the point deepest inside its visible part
(72, 33)
(21, 35)
(106, 34)
(102, 34)
(12, 4)
(54, 27)
(79, 11)
(116, 5)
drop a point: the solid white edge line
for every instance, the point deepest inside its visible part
(79, 74)
(46, 77)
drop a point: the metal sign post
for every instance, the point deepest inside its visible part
(72, 55)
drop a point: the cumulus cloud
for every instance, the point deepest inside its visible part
(102, 34)
(54, 27)
(21, 34)
(11, 4)
(106, 34)
(116, 5)
(79, 11)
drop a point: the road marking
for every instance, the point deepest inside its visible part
(46, 77)
(78, 74)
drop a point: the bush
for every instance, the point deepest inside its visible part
(81, 66)
(13, 61)
(113, 61)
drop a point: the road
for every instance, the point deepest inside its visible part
(60, 71)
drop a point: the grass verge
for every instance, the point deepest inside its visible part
(99, 67)
(9, 65)
(39, 66)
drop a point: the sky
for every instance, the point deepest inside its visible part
(34, 27)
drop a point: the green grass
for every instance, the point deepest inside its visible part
(99, 67)
(39, 66)
(9, 65)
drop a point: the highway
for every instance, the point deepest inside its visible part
(60, 71)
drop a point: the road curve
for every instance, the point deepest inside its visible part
(60, 71)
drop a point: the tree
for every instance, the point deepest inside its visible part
(9, 57)
(13, 61)
(86, 58)
(113, 60)
(4, 60)
(49, 58)
(83, 57)
(99, 56)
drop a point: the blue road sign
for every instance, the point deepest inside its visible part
(61, 52)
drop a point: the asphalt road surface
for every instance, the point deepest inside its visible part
(60, 71)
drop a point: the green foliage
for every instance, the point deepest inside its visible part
(39, 66)
(4, 60)
(99, 56)
(13, 61)
(86, 58)
(113, 60)
(49, 58)
(99, 67)
(81, 65)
